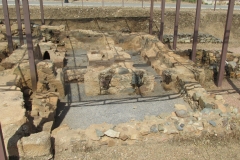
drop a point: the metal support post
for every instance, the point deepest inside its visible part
(3, 155)
(42, 12)
(29, 44)
(122, 3)
(225, 42)
(151, 17)
(142, 3)
(195, 34)
(176, 24)
(19, 21)
(7, 24)
(215, 4)
(162, 20)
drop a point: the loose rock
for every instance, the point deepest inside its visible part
(99, 133)
(182, 113)
(160, 128)
(154, 128)
(112, 133)
(212, 123)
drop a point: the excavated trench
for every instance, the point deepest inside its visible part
(77, 59)
(115, 77)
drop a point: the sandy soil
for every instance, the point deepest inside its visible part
(214, 149)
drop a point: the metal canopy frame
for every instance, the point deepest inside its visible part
(151, 17)
(178, 3)
(162, 20)
(225, 42)
(19, 21)
(42, 12)
(3, 155)
(7, 24)
(196, 27)
(30, 44)
(195, 34)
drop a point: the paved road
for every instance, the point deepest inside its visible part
(119, 4)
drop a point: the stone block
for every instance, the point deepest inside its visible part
(221, 107)
(206, 102)
(57, 58)
(53, 101)
(91, 83)
(180, 107)
(12, 109)
(199, 92)
(218, 97)
(122, 56)
(54, 28)
(103, 57)
(47, 126)
(37, 145)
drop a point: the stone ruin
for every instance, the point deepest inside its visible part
(111, 72)
(210, 60)
(28, 119)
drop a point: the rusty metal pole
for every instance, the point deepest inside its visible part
(176, 24)
(3, 155)
(195, 34)
(215, 4)
(151, 17)
(7, 24)
(225, 42)
(20, 32)
(29, 44)
(42, 12)
(162, 20)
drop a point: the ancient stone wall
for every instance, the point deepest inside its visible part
(210, 59)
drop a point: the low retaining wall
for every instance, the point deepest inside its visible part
(188, 38)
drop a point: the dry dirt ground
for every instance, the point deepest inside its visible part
(214, 148)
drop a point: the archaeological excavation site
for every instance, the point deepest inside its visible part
(84, 79)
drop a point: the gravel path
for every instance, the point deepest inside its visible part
(83, 114)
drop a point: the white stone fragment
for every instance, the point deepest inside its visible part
(111, 133)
